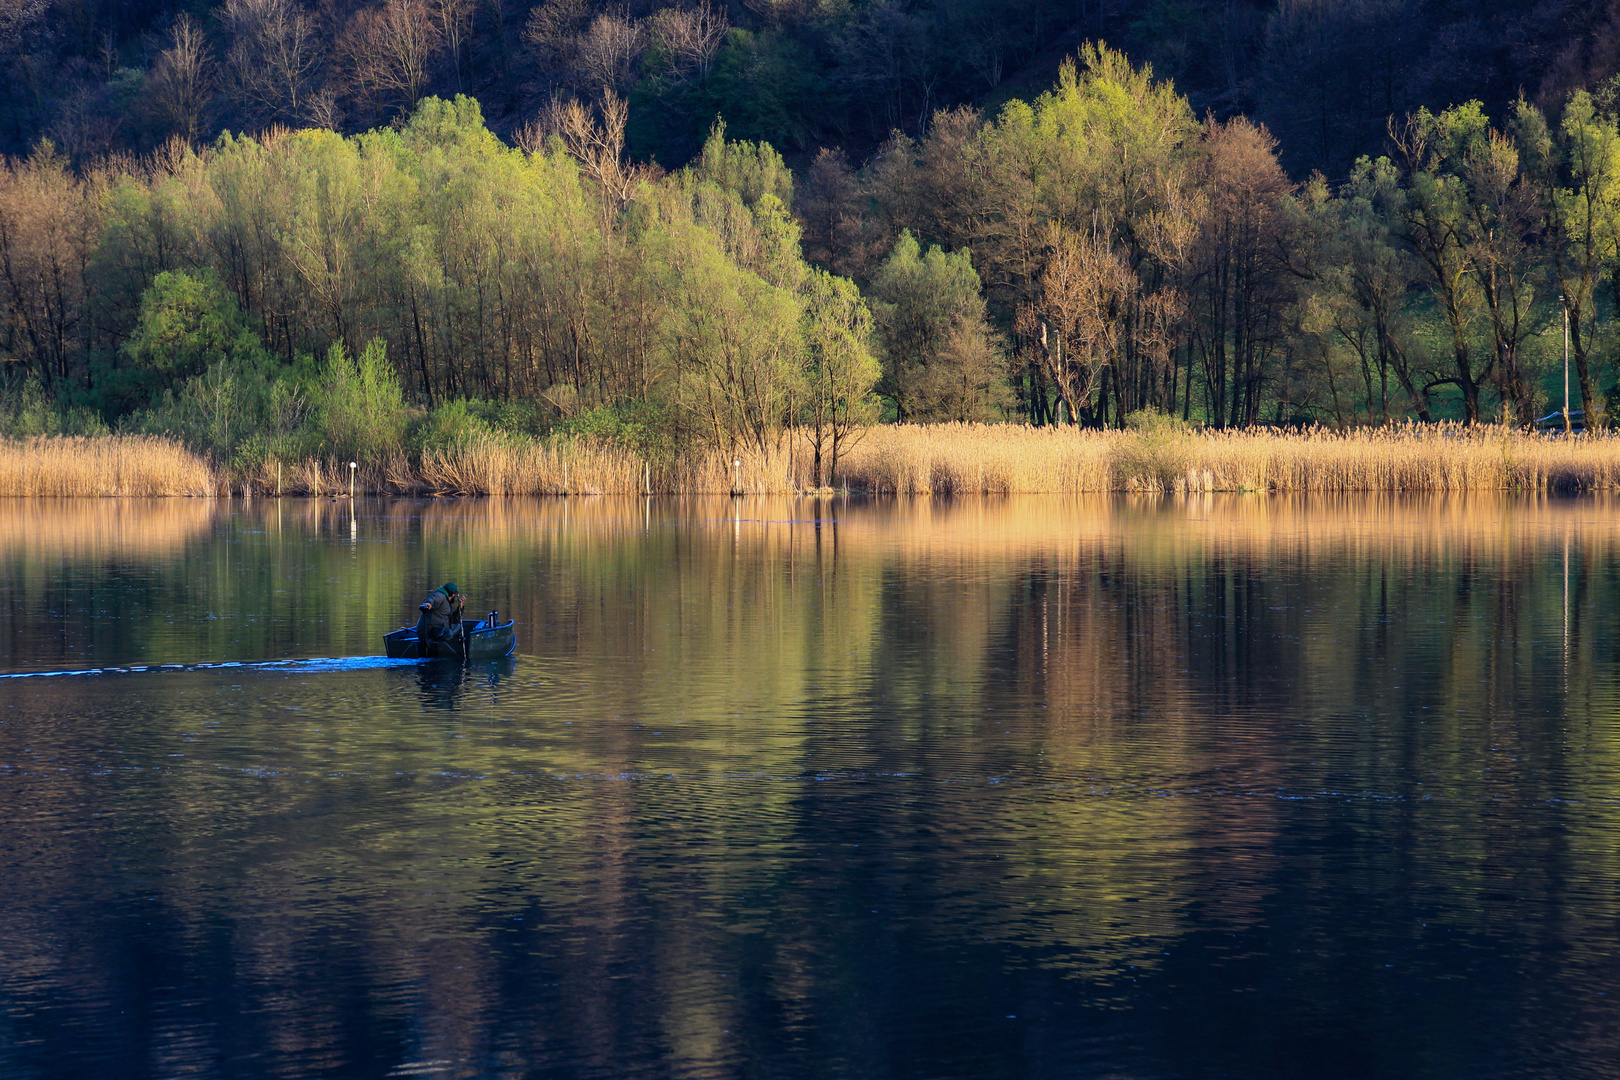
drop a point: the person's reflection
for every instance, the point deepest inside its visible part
(443, 683)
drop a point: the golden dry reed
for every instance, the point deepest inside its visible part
(911, 459)
(978, 458)
(514, 466)
(903, 459)
(105, 465)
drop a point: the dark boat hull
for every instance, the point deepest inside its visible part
(478, 641)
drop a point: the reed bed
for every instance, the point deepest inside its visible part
(504, 466)
(977, 458)
(903, 459)
(140, 465)
(915, 459)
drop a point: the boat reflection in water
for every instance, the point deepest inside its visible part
(441, 684)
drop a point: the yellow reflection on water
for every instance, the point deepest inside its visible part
(102, 529)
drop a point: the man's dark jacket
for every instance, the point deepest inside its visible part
(440, 611)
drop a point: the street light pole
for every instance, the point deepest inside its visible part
(1565, 305)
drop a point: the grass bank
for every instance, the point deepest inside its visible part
(891, 459)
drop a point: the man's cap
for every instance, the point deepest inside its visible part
(450, 586)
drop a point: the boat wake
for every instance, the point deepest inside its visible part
(335, 663)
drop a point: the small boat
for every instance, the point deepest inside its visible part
(489, 639)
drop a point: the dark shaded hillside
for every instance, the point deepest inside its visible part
(101, 76)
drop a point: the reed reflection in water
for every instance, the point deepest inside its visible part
(1217, 786)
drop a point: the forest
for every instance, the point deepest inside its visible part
(280, 230)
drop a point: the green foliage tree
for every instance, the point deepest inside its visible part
(837, 403)
(930, 316)
(1576, 171)
(750, 169)
(1136, 258)
(734, 340)
(188, 322)
(1432, 216)
(1363, 277)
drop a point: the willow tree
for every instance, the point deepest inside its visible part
(1576, 171)
(1360, 280)
(836, 402)
(734, 339)
(1466, 210)
(930, 315)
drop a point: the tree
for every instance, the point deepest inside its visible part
(1107, 153)
(968, 380)
(325, 210)
(598, 145)
(608, 50)
(683, 41)
(837, 403)
(188, 322)
(1502, 218)
(752, 170)
(552, 33)
(1583, 218)
(274, 61)
(1086, 291)
(50, 225)
(735, 340)
(831, 203)
(892, 64)
(357, 405)
(391, 51)
(1363, 275)
(930, 316)
(1431, 214)
(182, 81)
(1332, 74)
(454, 21)
(19, 18)
(1242, 284)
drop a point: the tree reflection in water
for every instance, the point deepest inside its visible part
(1202, 787)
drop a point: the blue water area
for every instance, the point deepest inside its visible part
(796, 788)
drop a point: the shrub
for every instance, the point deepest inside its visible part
(1158, 452)
(649, 428)
(27, 410)
(452, 426)
(357, 405)
(216, 410)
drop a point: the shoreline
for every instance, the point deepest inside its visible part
(940, 459)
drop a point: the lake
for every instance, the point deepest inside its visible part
(1218, 786)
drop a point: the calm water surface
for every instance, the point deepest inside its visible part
(1224, 787)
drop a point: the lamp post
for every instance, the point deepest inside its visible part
(1565, 305)
(353, 465)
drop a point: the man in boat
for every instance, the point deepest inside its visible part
(441, 615)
